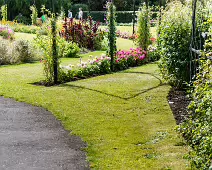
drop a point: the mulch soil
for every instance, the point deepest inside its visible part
(179, 102)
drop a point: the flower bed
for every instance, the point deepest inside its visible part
(6, 32)
(126, 35)
(100, 66)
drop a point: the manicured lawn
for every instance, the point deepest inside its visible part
(125, 44)
(24, 36)
(123, 117)
(129, 29)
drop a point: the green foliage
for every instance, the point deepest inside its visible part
(61, 48)
(22, 19)
(197, 130)
(85, 33)
(25, 52)
(15, 52)
(143, 39)
(34, 14)
(4, 12)
(7, 33)
(111, 35)
(174, 42)
(153, 53)
(67, 49)
(4, 57)
(17, 27)
(123, 60)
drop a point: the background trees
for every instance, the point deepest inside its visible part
(16, 7)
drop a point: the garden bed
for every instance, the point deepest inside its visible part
(179, 102)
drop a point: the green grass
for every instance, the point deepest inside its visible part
(24, 36)
(123, 117)
(124, 44)
(129, 29)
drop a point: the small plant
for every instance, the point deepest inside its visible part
(67, 49)
(34, 14)
(7, 33)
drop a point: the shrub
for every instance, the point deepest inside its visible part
(197, 130)
(31, 29)
(22, 19)
(153, 54)
(85, 33)
(174, 42)
(143, 39)
(7, 33)
(24, 51)
(67, 49)
(16, 52)
(4, 58)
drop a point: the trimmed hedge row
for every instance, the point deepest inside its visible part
(121, 16)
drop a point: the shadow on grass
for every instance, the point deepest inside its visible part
(116, 96)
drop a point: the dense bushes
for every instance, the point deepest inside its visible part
(174, 42)
(16, 52)
(7, 33)
(85, 33)
(197, 130)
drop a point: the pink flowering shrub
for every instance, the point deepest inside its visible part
(6, 33)
(133, 57)
(101, 65)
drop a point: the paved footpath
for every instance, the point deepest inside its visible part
(32, 139)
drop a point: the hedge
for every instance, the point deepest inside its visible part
(121, 16)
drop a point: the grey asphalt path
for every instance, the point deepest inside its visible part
(32, 139)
